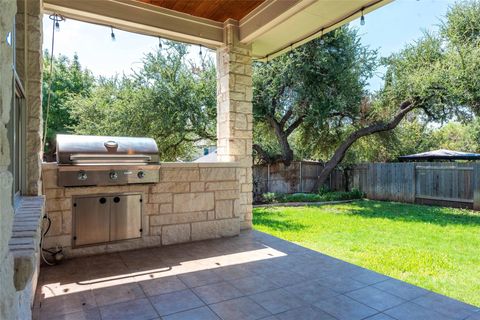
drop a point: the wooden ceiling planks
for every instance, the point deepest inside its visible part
(217, 10)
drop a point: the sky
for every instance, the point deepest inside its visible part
(387, 29)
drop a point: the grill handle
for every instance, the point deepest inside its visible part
(99, 158)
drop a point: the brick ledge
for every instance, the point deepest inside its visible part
(25, 240)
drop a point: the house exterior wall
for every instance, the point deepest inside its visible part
(192, 201)
(19, 257)
(29, 69)
(234, 114)
(8, 298)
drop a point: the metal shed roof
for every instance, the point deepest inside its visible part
(441, 154)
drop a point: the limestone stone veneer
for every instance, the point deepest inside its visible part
(192, 201)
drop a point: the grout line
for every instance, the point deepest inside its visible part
(148, 299)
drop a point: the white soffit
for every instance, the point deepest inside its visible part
(303, 25)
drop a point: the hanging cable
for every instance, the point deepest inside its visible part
(56, 19)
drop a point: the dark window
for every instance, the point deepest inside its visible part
(16, 132)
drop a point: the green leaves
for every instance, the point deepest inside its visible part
(69, 81)
(320, 84)
(170, 99)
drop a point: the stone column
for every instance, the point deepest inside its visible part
(234, 114)
(29, 70)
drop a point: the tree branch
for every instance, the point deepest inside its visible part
(294, 125)
(286, 116)
(404, 108)
(262, 154)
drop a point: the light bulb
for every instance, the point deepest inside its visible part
(112, 35)
(362, 20)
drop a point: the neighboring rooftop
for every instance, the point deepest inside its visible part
(211, 157)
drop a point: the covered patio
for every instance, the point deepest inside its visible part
(252, 276)
(196, 257)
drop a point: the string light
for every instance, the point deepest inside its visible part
(321, 38)
(56, 20)
(200, 52)
(112, 34)
(329, 26)
(160, 43)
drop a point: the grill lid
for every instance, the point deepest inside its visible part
(77, 149)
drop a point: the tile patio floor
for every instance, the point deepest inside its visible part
(253, 276)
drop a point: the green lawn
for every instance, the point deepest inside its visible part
(432, 247)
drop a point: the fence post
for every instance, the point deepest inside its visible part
(414, 181)
(268, 177)
(476, 186)
(301, 182)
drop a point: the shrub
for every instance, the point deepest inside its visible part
(323, 190)
(301, 197)
(272, 197)
(313, 197)
(269, 197)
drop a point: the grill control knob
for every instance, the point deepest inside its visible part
(113, 175)
(141, 174)
(82, 175)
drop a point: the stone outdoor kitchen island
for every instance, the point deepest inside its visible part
(192, 202)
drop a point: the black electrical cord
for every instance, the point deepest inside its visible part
(45, 233)
(49, 224)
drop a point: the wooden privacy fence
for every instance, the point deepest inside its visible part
(300, 176)
(439, 183)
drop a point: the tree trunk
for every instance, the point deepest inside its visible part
(287, 152)
(340, 152)
(282, 137)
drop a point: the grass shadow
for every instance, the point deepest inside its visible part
(275, 219)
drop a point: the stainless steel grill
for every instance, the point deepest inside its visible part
(100, 161)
